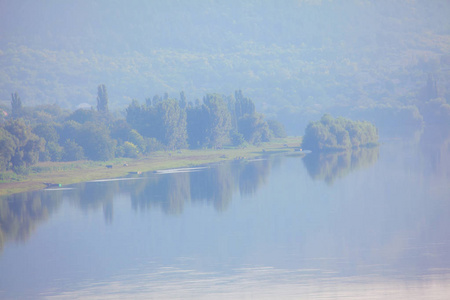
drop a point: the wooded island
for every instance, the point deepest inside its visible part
(338, 134)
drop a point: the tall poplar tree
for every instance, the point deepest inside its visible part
(102, 99)
(16, 105)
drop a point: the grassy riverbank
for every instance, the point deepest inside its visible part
(73, 172)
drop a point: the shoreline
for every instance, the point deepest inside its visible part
(65, 173)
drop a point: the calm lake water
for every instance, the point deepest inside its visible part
(372, 224)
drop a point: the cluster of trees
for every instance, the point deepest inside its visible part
(214, 122)
(19, 146)
(337, 134)
(49, 133)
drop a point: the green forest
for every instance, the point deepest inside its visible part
(50, 133)
(297, 59)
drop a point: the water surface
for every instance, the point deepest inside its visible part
(369, 224)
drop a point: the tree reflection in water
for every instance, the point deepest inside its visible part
(21, 213)
(166, 191)
(254, 174)
(330, 166)
(215, 185)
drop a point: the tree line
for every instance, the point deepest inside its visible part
(49, 133)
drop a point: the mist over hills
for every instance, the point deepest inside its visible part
(295, 59)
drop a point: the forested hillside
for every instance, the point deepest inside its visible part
(295, 59)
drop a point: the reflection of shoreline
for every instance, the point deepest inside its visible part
(168, 190)
(66, 173)
(330, 166)
(21, 213)
(214, 185)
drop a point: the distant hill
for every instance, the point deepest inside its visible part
(293, 58)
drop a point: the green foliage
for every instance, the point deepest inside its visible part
(202, 125)
(276, 128)
(46, 131)
(94, 135)
(339, 134)
(134, 114)
(46, 113)
(16, 105)
(72, 151)
(219, 120)
(133, 146)
(197, 124)
(52, 152)
(237, 139)
(96, 142)
(165, 121)
(22, 144)
(243, 105)
(7, 148)
(152, 145)
(93, 138)
(172, 124)
(31, 151)
(69, 130)
(254, 128)
(120, 130)
(83, 115)
(136, 139)
(102, 99)
(130, 150)
(55, 151)
(251, 125)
